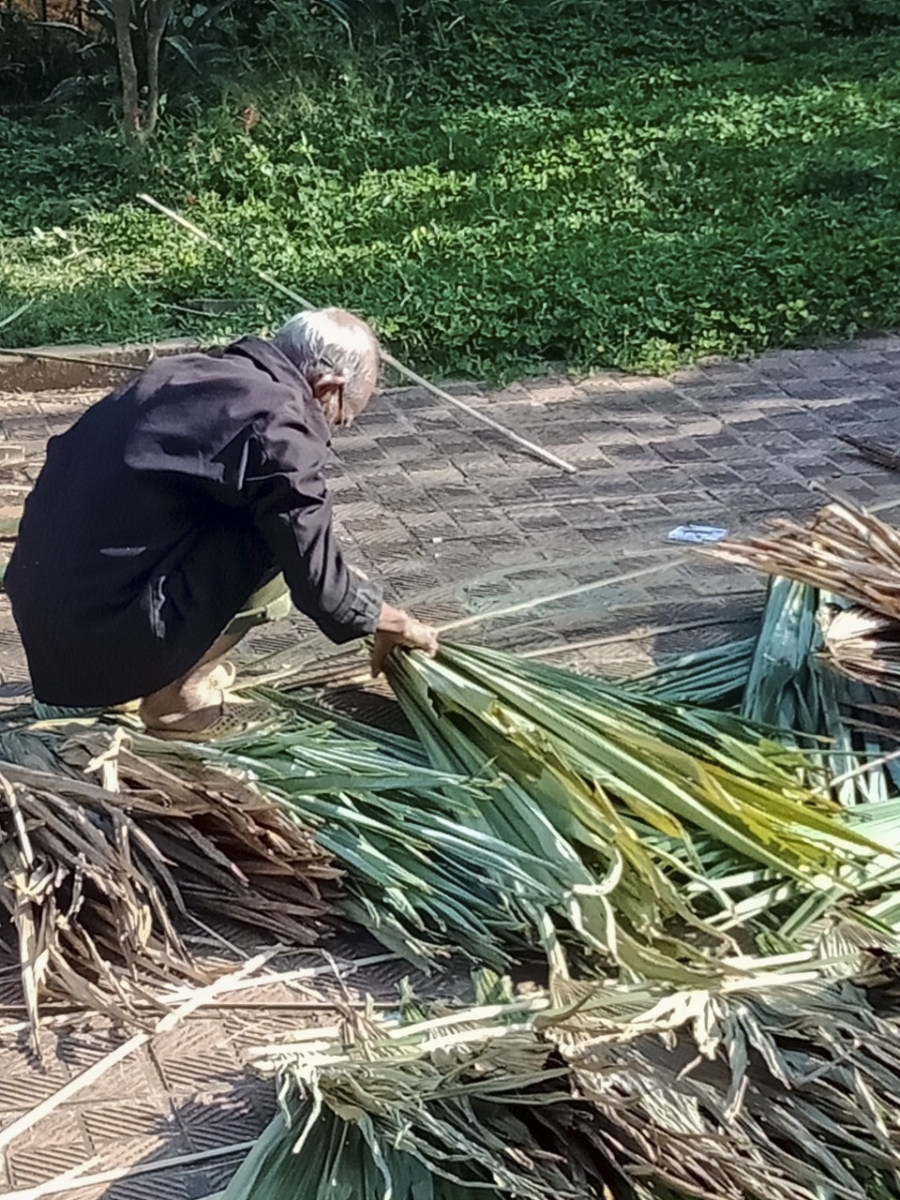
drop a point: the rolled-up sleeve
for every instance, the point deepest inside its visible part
(286, 493)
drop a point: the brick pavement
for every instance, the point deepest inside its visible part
(458, 522)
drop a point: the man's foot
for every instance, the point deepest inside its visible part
(234, 722)
(189, 705)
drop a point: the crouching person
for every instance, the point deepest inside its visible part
(182, 510)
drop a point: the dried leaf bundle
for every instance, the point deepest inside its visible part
(96, 877)
(449, 1108)
(863, 645)
(781, 1086)
(845, 550)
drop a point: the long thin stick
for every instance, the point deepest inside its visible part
(67, 1182)
(523, 443)
(13, 316)
(353, 678)
(530, 447)
(637, 635)
(99, 1068)
(539, 601)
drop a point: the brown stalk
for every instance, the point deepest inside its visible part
(98, 881)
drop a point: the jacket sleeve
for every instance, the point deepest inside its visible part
(286, 495)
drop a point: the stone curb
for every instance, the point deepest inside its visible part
(65, 367)
(81, 366)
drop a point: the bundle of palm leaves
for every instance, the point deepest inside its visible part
(446, 1108)
(97, 875)
(793, 688)
(781, 1087)
(647, 805)
(851, 554)
(783, 681)
(864, 645)
(845, 550)
(422, 872)
(712, 678)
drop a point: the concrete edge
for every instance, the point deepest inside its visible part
(57, 368)
(106, 365)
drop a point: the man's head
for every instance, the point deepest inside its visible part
(337, 354)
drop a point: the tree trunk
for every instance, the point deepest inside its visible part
(158, 15)
(132, 118)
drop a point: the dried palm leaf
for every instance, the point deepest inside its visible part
(778, 1089)
(845, 551)
(864, 645)
(449, 1108)
(96, 877)
(781, 1086)
(236, 854)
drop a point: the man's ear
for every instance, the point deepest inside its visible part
(327, 387)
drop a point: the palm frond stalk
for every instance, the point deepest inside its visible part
(781, 1086)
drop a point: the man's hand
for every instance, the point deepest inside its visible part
(397, 628)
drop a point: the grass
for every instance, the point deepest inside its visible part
(626, 183)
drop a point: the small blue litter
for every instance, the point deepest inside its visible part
(697, 533)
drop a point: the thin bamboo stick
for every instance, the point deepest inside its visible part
(100, 1068)
(637, 635)
(348, 677)
(69, 1182)
(553, 597)
(523, 443)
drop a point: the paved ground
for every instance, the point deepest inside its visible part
(458, 522)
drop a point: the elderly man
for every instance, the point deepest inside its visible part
(187, 507)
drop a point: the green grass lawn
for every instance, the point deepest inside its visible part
(602, 183)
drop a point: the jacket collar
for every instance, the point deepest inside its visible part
(280, 368)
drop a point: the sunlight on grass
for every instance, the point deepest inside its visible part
(661, 207)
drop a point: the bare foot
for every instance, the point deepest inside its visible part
(193, 721)
(191, 703)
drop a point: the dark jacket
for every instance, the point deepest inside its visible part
(158, 514)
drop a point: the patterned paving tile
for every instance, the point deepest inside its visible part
(461, 522)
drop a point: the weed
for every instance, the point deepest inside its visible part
(622, 183)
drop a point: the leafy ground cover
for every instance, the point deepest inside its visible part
(628, 183)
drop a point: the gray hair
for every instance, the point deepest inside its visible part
(338, 339)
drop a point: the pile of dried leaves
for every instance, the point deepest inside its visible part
(853, 558)
(778, 1085)
(97, 876)
(846, 551)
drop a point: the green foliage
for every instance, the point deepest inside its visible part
(625, 182)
